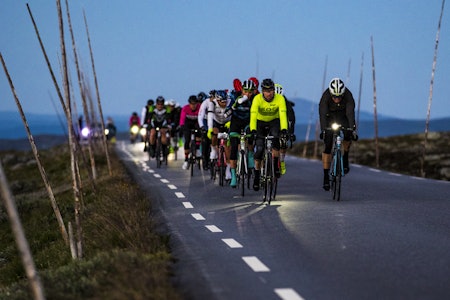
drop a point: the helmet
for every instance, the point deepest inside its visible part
(201, 96)
(192, 99)
(255, 81)
(221, 95)
(267, 84)
(248, 85)
(336, 87)
(160, 99)
(171, 102)
(150, 102)
(279, 89)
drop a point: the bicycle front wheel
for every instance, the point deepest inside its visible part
(158, 155)
(242, 174)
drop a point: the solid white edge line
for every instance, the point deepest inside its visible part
(255, 264)
(288, 294)
(232, 243)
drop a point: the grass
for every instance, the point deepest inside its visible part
(124, 257)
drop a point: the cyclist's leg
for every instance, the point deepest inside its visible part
(326, 160)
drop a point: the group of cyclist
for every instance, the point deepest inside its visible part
(246, 109)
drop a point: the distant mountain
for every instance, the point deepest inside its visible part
(305, 110)
(11, 126)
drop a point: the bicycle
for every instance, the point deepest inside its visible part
(337, 161)
(160, 149)
(193, 159)
(269, 182)
(242, 170)
(219, 164)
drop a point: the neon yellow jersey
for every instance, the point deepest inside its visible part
(268, 111)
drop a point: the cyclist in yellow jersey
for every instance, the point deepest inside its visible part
(267, 117)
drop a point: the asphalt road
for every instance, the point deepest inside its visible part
(388, 237)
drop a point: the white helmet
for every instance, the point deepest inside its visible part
(170, 102)
(279, 89)
(336, 87)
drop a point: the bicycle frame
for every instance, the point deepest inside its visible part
(221, 163)
(269, 181)
(192, 155)
(337, 162)
(161, 150)
(242, 170)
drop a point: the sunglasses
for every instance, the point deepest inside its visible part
(248, 90)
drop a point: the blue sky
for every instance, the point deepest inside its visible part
(143, 49)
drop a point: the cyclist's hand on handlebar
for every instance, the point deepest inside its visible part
(354, 135)
(209, 133)
(253, 133)
(293, 138)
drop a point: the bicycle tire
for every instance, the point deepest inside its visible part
(267, 179)
(213, 168)
(271, 179)
(221, 166)
(242, 174)
(158, 155)
(339, 167)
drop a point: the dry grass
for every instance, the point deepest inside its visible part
(124, 257)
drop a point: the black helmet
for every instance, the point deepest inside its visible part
(268, 84)
(150, 102)
(201, 96)
(192, 99)
(248, 85)
(160, 99)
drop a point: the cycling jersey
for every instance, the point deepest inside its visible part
(262, 110)
(216, 113)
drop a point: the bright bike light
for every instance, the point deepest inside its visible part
(143, 131)
(85, 132)
(335, 126)
(134, 129)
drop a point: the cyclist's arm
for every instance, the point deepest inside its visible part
(282, 113)
(254, 112)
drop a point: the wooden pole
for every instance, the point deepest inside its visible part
(76, 190)
(316, 143)
(430, 97)
(48, 187)
(83, 95)
(108, 161)
(359, 102)
(377, 155)
(21, 240)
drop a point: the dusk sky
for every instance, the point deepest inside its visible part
(143, 49)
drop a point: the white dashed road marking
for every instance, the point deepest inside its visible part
(179, 195)
(188, 205)
(213, 228)
(288, 294)
(232, 243)
(172, 187)
(198, 217)
(255, 264)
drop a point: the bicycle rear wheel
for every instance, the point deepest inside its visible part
(339, 165)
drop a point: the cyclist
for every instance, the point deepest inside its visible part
(240, 119)
(267, 116)
(217, 120)
(203, 124)
(146, 115)
(161, 119)
(174, 112)
(256, 82)
(336, 105)
(291, 127)
(189, 121)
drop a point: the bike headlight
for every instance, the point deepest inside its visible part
(85, 132)
(143, 131)
(335, 126)
(134, 129)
